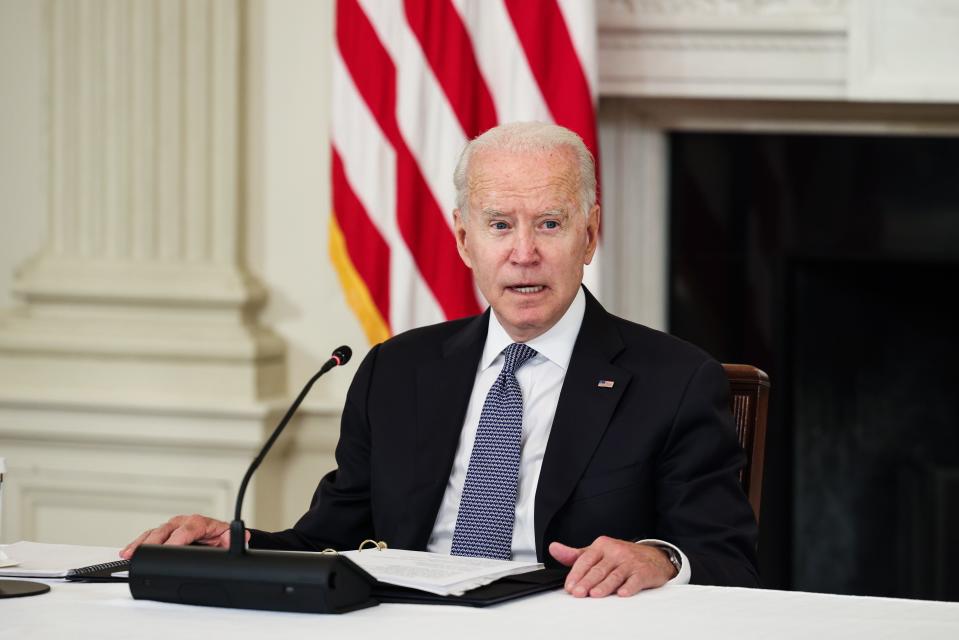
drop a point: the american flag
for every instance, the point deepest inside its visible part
(413, 81)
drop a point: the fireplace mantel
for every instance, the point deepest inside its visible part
(876, 67)
(857, 50)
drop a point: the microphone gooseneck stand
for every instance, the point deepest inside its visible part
(249, 578)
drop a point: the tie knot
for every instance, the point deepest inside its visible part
(516, 356)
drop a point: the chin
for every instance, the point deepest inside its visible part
(527, 325)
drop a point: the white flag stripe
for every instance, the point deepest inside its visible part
(425, 118)
(412, 303)
(502, 61)
(369, 163)
(580, 18)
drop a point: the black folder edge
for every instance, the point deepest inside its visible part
(503, 590)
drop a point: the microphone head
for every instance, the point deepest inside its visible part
(342, 355)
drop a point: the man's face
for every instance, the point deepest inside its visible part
(525, 236)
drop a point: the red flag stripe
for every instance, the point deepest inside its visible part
(418, 215)
(556, 66)
(368, 251)
(369, 64)
(447, 47)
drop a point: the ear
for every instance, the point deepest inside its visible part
(592, 233)
(459, 230)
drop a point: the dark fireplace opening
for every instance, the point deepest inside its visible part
(832, 262)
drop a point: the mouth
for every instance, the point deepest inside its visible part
(527, 289)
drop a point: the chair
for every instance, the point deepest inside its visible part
(749, 389)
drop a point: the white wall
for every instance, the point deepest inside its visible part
(290, 206)
(288, 210)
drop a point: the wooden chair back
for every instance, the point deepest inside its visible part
(749, 389)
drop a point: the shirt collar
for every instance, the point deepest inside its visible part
(556, 344)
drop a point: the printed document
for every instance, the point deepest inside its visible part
(435, 572)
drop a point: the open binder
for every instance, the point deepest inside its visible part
(503, 590)
(502, 581)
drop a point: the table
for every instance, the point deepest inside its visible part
(79, 610)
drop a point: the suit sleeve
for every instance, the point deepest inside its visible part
(339, 513)
(701, 505)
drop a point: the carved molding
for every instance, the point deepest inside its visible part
(723, 15)
(42, 501)
(140, 464)
(719, 42)
(723, 49)
(726, 7)
(767, 49)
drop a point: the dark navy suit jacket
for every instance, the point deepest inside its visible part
(653, 456)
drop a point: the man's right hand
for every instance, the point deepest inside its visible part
(182, 530)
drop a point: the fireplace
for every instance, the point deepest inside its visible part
(831, 262)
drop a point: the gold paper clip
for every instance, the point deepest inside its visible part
(377, 545)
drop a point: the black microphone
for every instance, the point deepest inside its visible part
(340, 356)
(254, 579)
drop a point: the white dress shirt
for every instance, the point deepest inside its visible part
(541, 381)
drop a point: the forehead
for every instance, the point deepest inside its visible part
(544, 174)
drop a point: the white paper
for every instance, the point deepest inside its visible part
(434, 572)
(39, 560)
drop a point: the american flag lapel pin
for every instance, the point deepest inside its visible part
(606, 384)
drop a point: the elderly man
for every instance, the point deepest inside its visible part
(544, 428)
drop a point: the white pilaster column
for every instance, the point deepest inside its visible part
(135, 379)
(635, 217)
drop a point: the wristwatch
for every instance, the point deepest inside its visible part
(674, 558)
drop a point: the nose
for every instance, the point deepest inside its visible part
(524, 248)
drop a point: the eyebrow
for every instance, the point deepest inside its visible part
(560, 213)
(557, 213)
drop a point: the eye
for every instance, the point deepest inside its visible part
(551, 224)
(499, 225)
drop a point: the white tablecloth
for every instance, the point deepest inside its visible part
(77, 610)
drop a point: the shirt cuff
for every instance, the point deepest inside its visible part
(684, 572)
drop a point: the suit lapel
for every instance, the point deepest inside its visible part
(582, 414)
(443, 388)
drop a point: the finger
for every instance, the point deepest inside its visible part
(198, 529)
(633, 585)
(150, 536)
(596, 574)
(564, 554)
(223, 540)
(581, 569)
(128, 550)
(186, 533)
(160, 534)
(613, 580)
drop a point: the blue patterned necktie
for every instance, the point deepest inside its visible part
(484, 523)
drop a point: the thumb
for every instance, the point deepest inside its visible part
(564, 554)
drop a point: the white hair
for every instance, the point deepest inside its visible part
(528, 137)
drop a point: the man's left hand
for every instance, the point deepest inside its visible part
(613, 566)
